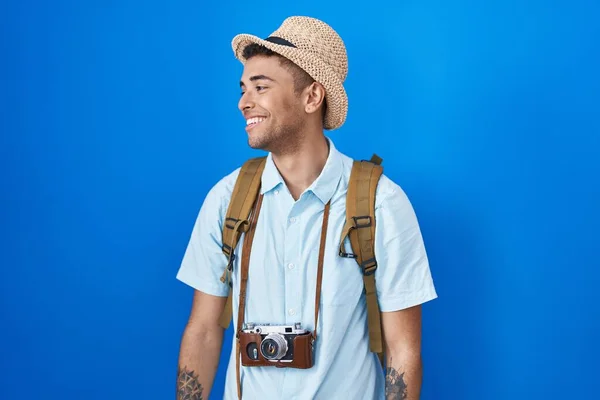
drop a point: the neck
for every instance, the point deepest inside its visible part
(302, 167)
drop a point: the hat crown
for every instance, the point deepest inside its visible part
(315, 36)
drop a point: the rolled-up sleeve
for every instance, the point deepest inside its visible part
(204, 262)
(403, 276)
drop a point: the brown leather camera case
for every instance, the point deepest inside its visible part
(303, 354)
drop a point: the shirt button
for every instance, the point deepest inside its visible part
(277, 191)
(291, 266)
(293, 219)
(291, 311)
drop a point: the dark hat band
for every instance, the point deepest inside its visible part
(278, 40)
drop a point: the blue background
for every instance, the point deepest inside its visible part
(116, 117)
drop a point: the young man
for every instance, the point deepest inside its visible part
(291, 91)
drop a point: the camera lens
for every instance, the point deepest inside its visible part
(273, 347)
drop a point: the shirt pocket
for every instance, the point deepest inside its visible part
(342, 283)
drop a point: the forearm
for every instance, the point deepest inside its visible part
(198, 362)
(403, 376)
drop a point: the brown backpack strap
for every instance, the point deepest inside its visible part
(360, 228)
(244, 194)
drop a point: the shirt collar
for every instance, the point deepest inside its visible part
(323, 187)
(271, 178)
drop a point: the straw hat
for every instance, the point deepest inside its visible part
(316, 48)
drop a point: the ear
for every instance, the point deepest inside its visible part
(315, 95)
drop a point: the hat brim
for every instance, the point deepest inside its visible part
(335, 94)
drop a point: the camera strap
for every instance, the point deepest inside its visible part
(320, 266)
(244, 267)
(245, 263)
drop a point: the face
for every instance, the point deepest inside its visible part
(274, 113)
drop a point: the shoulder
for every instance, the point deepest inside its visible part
(388, 191)
(219, 195)
(224, 187)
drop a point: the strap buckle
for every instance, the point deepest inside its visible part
(230, 263)
(230, 256)
(230, 222)
(369, 266)
(226, 249)
(363, 221)
(347, 255)
(230, 260)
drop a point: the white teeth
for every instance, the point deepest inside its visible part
(254, 120)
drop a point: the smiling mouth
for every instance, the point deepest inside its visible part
(252, 122)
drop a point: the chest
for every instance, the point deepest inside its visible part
(284, 262)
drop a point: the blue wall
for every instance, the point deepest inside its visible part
(117, 117)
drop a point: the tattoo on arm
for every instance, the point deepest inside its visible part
(188, 387)
(395, 387)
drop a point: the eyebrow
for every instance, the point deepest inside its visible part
(258, 78)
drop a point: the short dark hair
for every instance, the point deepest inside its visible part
(301, 78)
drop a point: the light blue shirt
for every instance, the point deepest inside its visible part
(282, 279)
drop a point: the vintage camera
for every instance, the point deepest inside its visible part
(276, 345)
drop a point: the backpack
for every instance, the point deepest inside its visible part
(359, 228)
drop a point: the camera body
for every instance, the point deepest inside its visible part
(287, 346)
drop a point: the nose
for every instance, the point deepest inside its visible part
(245, 102)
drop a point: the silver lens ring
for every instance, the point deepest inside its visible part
(273, 347)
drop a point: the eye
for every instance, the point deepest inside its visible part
(259, 88)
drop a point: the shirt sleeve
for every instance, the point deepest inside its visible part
(403, 277)
(204, 262)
